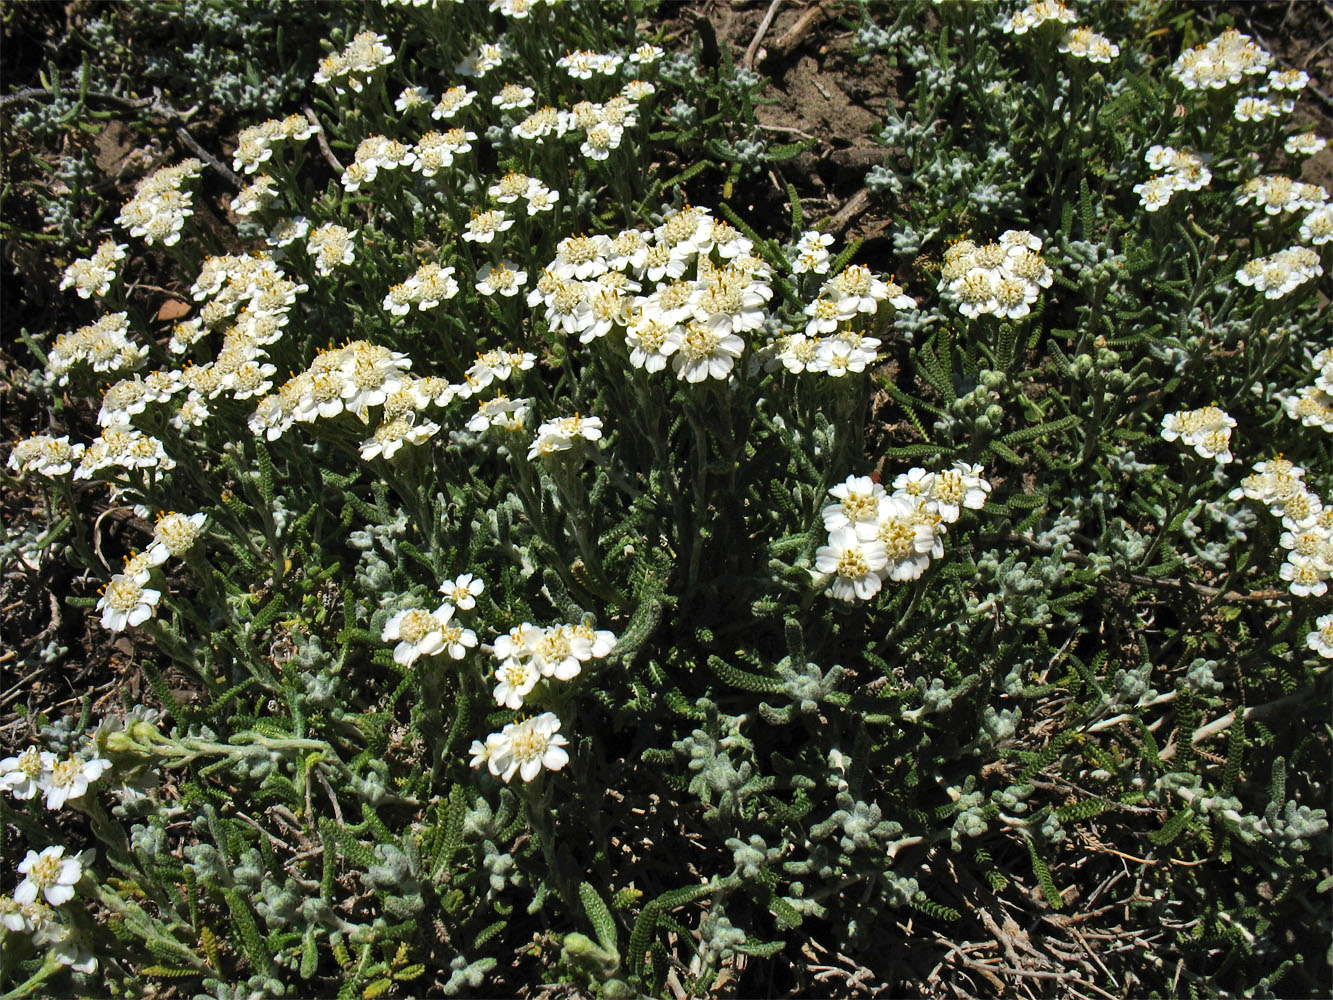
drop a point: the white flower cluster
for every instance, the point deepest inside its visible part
(811, 255)
(48, 881)
(258, 195)
(1312, 404)
(58, 780)
(160, 206)
(1036, 14)
(530, 653)
(603, 125)
(560, 434)
(581, 64)
(427, 287)
(45, 455)
(1084, 43)
(1307, 523)
(1207, 430)
(353, 379)
(255, 144)
(1256, 109)
(1222, 62)
(127, 600)
(375, 153)
(122, 446)
(1002, 278)
(1276, 194)
(331, 246)
(419, 633)
(1281, 272)
(523, 748)
(352, 68)
(104, 346)
(1305, 144)
(92, 276)
(486, 57)
(1317, 226)
(1181, 171)
(687, 293)
(875, 535)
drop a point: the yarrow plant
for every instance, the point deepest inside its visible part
(542, 571)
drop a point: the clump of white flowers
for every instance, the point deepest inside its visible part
(1276, 194)
(160, 205)
(876, 536)
(45, 455)
(256, 143)
(1312, 404)
(1084, 43)
(58, 780)
(1307, 522)
(1279, 273)
(529, 654)
(1222, 62)
(1207, 430)
(1036, 14)
(104, 346)
(523, 748)
(92, 276)
(1001, 278)
(1181, 170)
(352, 68)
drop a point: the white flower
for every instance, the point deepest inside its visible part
(561, 433)
(960, 486)
(1304, 575)
(69, 779)
(484, 225)
(515, 677)
(22, 776)
(412, 98)
(855, 565)
(525, 748)
(1321, 639)
(127, 602)
(457, 640)
(49, 874)
(707, 351)
(503, 278)
(174, 535)
(1305, 144)
(463, 591)
(418, 633)
(857, 508)
(452, 101)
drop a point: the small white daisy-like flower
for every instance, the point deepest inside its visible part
(1305, 144)
(463, 591)
(526, 748)
(503, 278)
(413, 98)
(22, 775)
(854, 563)
(706, 350)
(174, 535)
(1321, 639)
(50, 875)
(69, 779)
(417, 633)
(126, 602)
(483, 226)
(1305, 575)
(515, 679)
